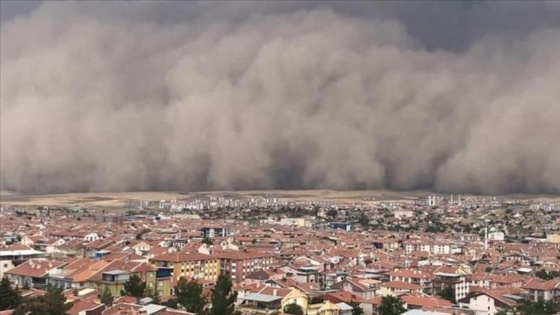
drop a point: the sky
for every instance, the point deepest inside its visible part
(449, 96)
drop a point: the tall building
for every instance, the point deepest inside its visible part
(211, 232)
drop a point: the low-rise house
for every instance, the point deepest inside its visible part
(357, 287)
(141, 248)
(329, 308)
(263, 275)
(33, 273)
(410, 275)
(76, 273)
(544, 290)
(410, 301)
(115, 274)
(83, 307)
(387, 244)
(268, 299)
(13, 255)
(92, 249)
(489, 302)
(397, 288)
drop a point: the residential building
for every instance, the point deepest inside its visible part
(13, 255)
(239, 264)
(188, 265)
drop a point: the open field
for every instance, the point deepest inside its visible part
(115, 199)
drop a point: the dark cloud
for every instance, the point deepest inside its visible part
(452, 96)
(10, 9)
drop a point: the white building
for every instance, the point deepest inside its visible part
(496, 236)
(11, 255)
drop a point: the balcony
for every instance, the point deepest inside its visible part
(446, 281)
(449, 278)
(260, 303)
(164, 272)
(115, 276)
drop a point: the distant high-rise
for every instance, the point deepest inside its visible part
(431, 200)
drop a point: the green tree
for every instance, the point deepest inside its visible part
(223, 298)
(447, 293)
(189, 295)
(106, 297)
(53, 302)
(152, 293)
(9, 297)
(171, 303)
(542, 274)
(134, 287)
(332, 213)
(294, 309)
(207, 241)
(547, 275)
(363, 220)
(531, 308)
(140, 235)
(550, 307)
(390, 305)
(356, 308)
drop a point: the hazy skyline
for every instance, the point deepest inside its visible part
(450, 96)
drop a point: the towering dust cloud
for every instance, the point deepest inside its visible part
(456, 96)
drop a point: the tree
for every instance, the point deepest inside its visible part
(134, 287)
(550, 307)
(153, 294)
(447, 293)
(207, 241)
(530, 308)
(107, 298)
(189, 295)
(363, 220)
(294, 309)
(222, 297)
(140, 235)
(356, 308)
(390, 305)
(547, 275)
(53, 302)
(9, 297)
(171, 303)
(332, 213)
